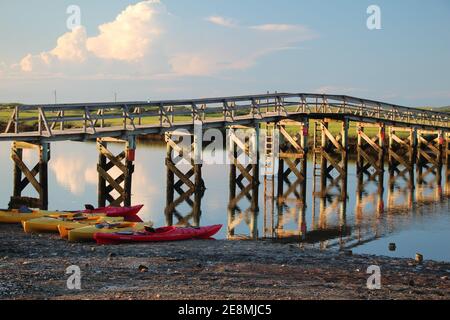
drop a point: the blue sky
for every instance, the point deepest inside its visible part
(181, 49)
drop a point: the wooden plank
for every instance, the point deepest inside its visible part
(334, 164)
(291, 140)
(400, 159)
(11, 121)
(375, 146)
(24, 182)
(180, 175)
(28, 174)
(110, 180)
(332, 139)
(44, 120)
(104, 150)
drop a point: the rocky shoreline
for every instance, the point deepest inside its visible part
(34, 267)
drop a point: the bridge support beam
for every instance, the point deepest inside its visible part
(113, 188)
(430, 147)
(184, 179)
(37, 176)
(244, 182)
(292, 173)
(447, 163)
(402, 152)
(333, 154)
(370, 149)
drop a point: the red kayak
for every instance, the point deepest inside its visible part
(158, 235)
(129, 213)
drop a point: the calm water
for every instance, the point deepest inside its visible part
(416, 222)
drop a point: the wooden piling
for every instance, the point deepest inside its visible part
(124, 162)
(37, 177)
(183, 186)
(245, 177)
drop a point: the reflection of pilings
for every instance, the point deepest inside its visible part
(370, 168)
(181, 150)
(40, 185)
(333, 153)
(124, 162)
(400, 193)
(244, 174)
(447, 163)
(364, 198)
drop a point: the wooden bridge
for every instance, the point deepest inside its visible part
(404, 138)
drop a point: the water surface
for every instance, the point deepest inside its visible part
(416, 220)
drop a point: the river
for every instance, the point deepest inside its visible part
(417, 222)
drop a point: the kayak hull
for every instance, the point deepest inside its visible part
(86, 233)
(16, 217)
(128, 213)
(50, 224)
(161, 235)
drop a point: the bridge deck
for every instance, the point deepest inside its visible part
(95, 120)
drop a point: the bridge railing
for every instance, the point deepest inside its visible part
(47, 120)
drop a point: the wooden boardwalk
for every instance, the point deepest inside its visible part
(47, 123)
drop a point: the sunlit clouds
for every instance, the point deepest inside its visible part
(128, 38)
(146, 41)
(222, 21)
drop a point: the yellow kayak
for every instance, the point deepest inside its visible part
(17, 216)
(86, 233)
(50, 224)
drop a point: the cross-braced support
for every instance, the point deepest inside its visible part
(402, 152)
(447, 163)
(244, 179)
(292, 173)
(185, 186)
(430, 147)
(333, 154)
(115, 189)
(36, 177)
(370, 150)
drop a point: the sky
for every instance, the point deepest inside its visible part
(152, 50)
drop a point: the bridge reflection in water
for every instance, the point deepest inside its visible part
(294, 206)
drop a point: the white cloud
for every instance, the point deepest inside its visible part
(221, 21)
(239, 49)
(193, 64)
(145, 42)
(129, 36)
(70, 47)
(278, 27)
(26, 64)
